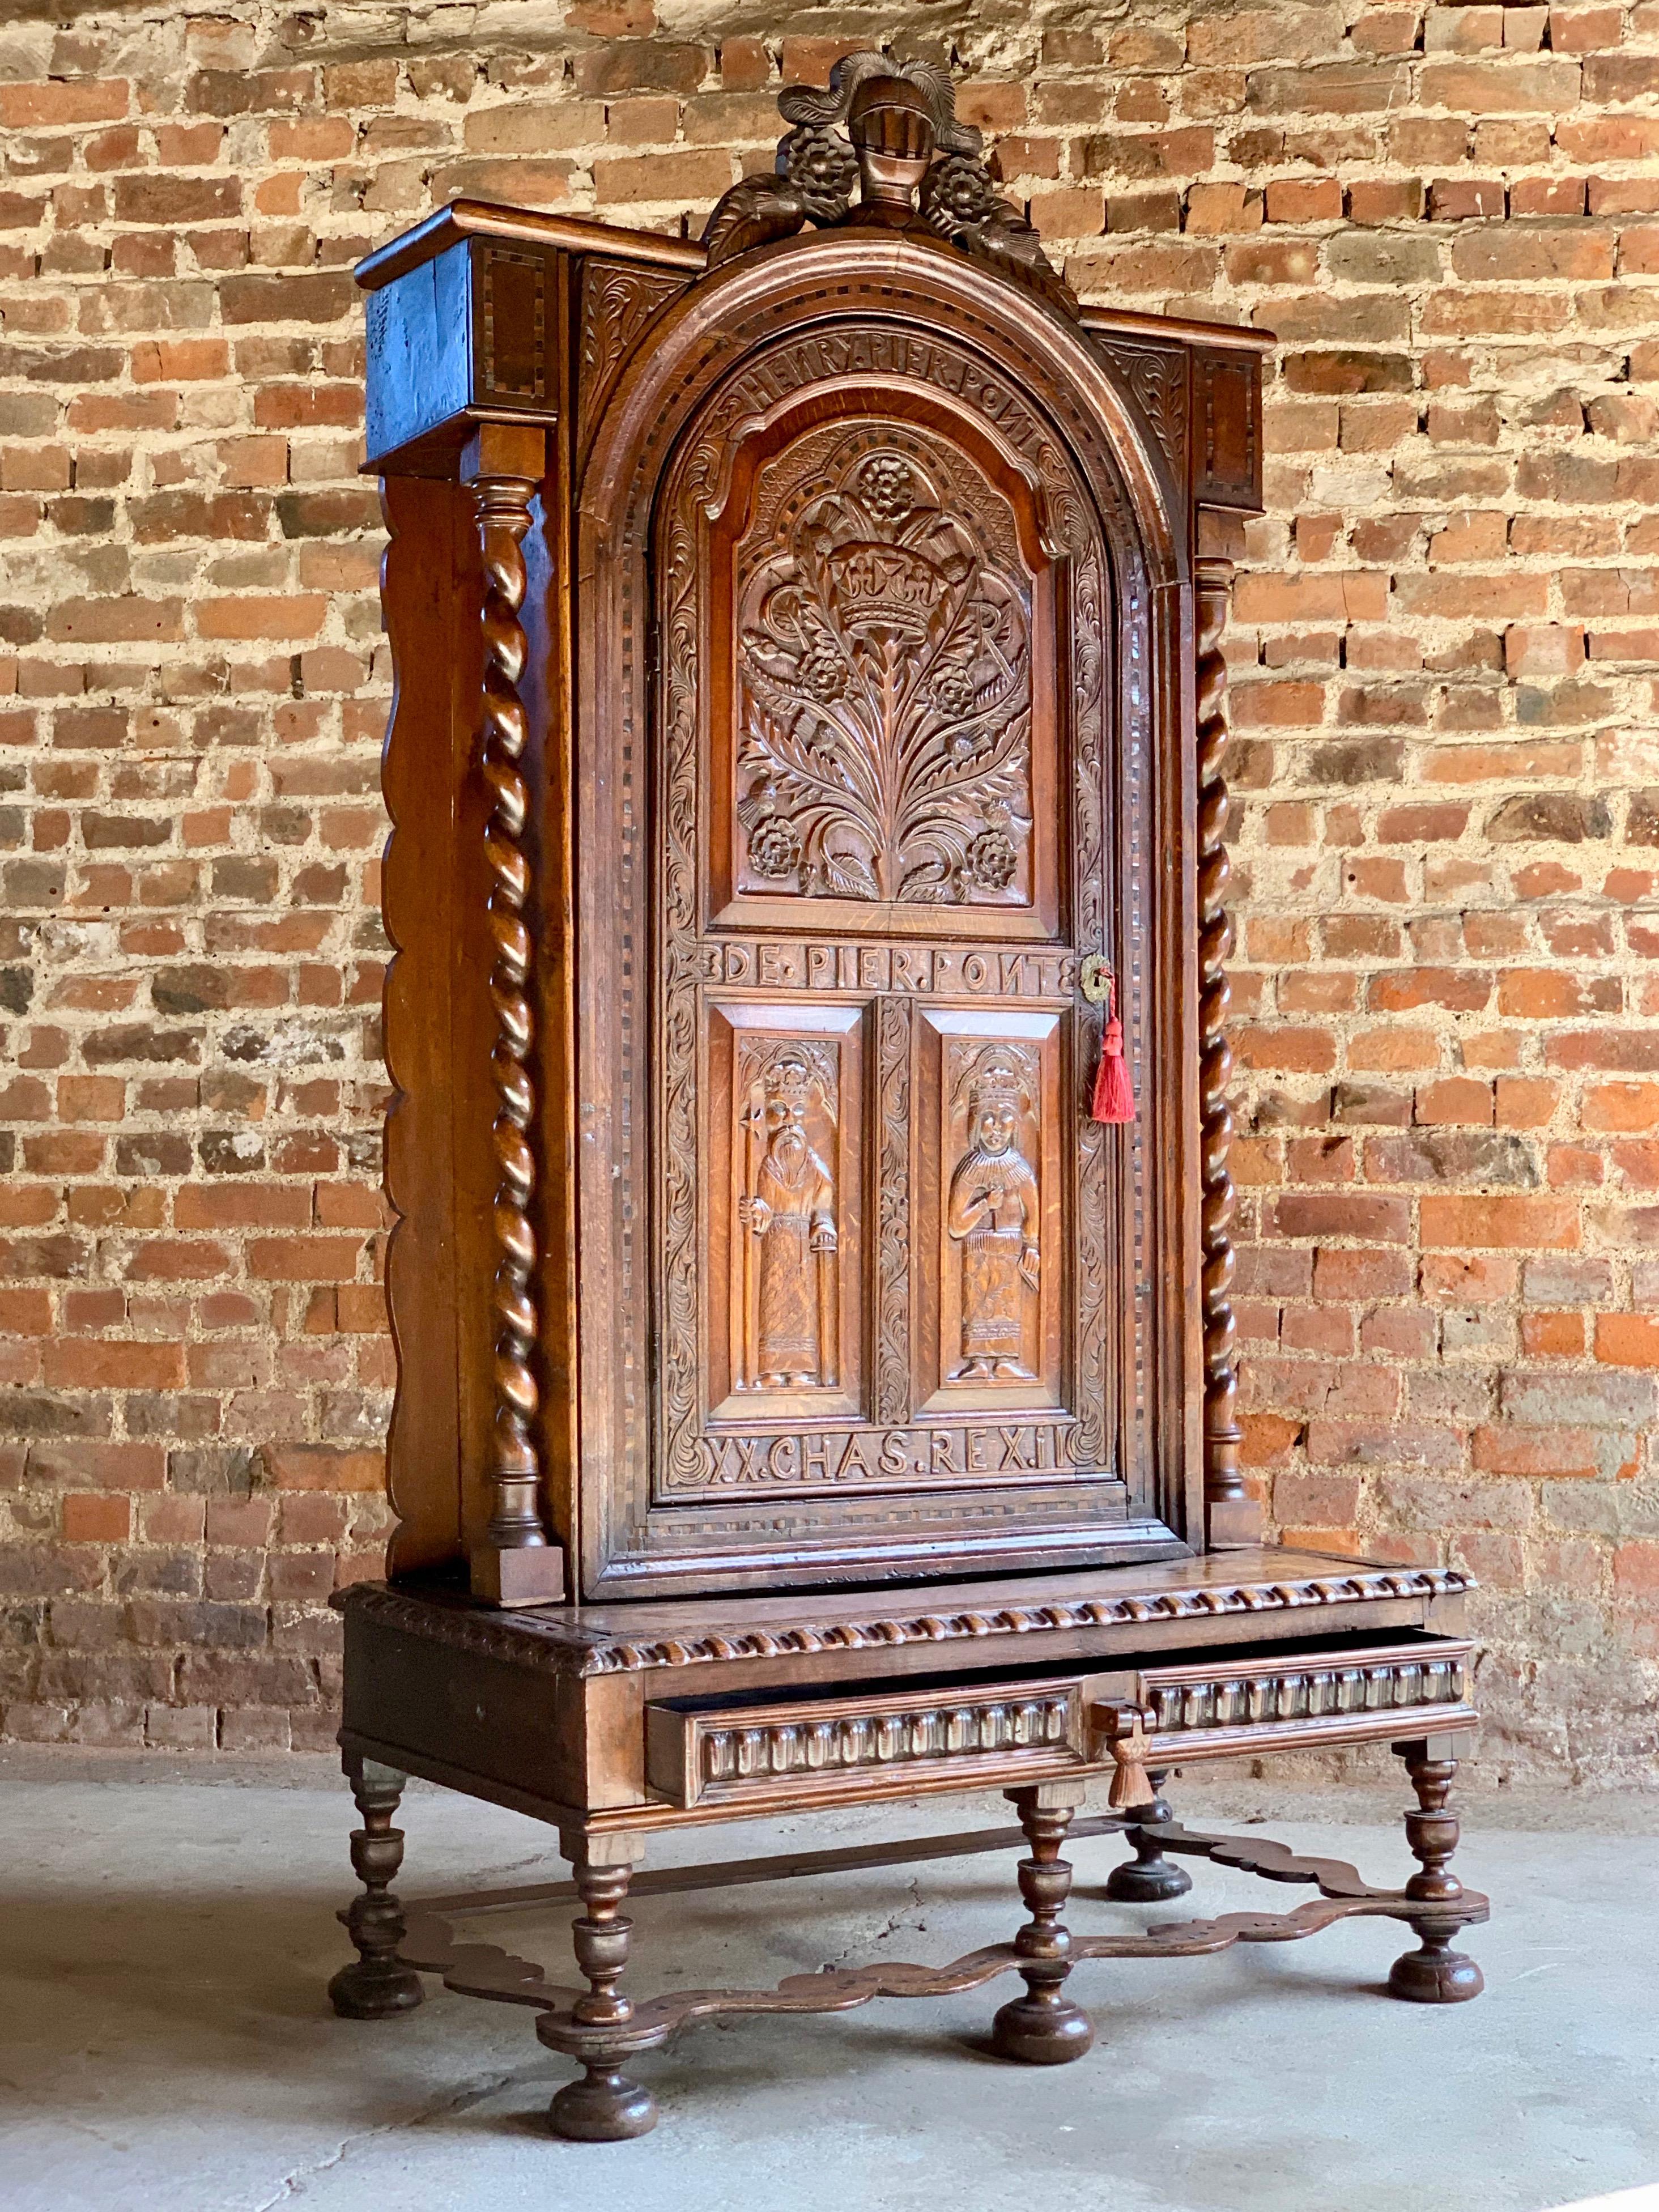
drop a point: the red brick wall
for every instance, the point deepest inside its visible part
(1448, 845)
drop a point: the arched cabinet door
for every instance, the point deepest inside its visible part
(883, 725)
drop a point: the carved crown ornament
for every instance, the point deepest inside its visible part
(886, 130)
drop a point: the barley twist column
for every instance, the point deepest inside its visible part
(1227, 1504)
(514, 1564)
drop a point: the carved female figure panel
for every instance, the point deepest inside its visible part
(994, 1215)
(788, 1213)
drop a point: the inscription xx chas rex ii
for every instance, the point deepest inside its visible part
(811, 1458)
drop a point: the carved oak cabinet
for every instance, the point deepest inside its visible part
(812, 1283)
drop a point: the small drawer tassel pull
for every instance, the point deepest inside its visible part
(1114, 1097)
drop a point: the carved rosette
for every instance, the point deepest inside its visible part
(1223, 1484)
(505, 476)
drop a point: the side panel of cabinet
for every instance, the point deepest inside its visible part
(430, 584)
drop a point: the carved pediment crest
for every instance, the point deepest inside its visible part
(881, 148)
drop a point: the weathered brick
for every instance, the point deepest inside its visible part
(1445, 820)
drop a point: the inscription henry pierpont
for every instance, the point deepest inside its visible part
(884, 748)
(992, 1214)
(787, 1215)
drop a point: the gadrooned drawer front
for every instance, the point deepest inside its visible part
(860, 1746)
(1307, 1698)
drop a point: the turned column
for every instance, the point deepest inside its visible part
(1044, 2027)
(514, 1564)
(376, 1983)
(606, 2106)
(1434, 1973)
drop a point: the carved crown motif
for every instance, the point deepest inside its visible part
(998, 1083)
(888, 128)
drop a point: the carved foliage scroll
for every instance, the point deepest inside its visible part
(619, 301)
(678, 1343)
(894, 1088)
(1157, 375)
(885, 750)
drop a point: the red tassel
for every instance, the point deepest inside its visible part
(1114, 1097)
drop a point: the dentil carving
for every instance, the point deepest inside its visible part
(992, 1214)
(787, 1224)
(885, 699)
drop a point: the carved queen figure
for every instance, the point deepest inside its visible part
(790, 1215)
(992, 1214)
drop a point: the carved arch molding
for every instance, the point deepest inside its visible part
(893, 646)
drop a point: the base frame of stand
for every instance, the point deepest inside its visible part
(488, 1971)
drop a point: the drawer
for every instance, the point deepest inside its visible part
(770, 1753)
(1307, 1700)
(759, 1753)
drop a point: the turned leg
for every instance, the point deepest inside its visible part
(376, 1983)
(1434, 1973)
(1043, 2027)
(1148, 1878)
(604, 2106)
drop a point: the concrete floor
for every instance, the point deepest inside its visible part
(165, 2042)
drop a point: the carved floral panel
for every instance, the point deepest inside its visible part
(884, 678)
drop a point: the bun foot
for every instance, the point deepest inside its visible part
(604, 2107)
(1042, 2032)
(1436, 1974)
(376, 1989)
(1137, 1882)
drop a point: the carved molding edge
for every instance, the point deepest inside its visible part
(1223, 1484)
(561, 1646)
(504, 467)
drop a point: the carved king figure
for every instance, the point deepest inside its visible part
(790, 1214)
(992, 1214)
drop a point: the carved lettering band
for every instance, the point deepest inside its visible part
(925, 970)
(810, 1458)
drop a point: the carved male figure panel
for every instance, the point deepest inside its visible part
(993, 1214)
(789, 1213)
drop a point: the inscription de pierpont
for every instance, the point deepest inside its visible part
(938, 971)
(818, 1456)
